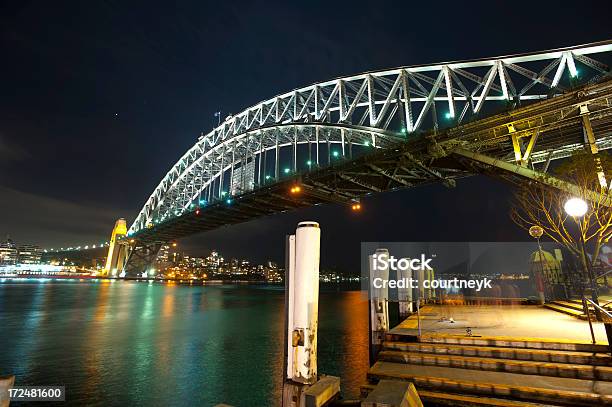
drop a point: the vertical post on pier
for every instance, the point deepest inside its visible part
(404, 294)
(301, 311)
(379, 300)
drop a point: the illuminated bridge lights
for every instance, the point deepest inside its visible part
(356, 207)
(296, 189)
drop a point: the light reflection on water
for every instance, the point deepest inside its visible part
(128, 343)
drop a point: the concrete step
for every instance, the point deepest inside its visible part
(536, 355)
(505, 342)
(522, 387)
(603, 373)
(448, 399)
(576, 305)
(565, 309)
(463, 400)
(602, 302)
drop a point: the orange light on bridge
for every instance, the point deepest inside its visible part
(356, 206)
(197, 211)
(174, 244)
(132, 240)
(296, 189)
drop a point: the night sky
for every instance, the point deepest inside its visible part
(98, 99)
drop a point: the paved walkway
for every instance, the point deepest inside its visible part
(520, 321)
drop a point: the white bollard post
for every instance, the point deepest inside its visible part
(302, 386)
(404, 295)
(303, 304)
(379, 300)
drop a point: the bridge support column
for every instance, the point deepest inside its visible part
(301, 385)
(141, 259)
(116, 251)
(589, 139)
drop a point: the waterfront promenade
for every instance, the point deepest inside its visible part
(519, 321)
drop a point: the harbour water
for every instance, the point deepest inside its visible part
(136, 343)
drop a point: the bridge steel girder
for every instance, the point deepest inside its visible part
(543, 178)
(141, 257)
(373, 109)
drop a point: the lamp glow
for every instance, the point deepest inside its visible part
(575, 207)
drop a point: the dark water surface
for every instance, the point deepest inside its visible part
(128, 343)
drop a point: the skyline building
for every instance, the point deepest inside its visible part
(8, 252)
(29, 254)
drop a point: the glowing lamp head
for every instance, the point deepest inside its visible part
(296, 189)
(197, 211)
(536, 231)
(335, 154)
(309, 163)
(448, 115)
(287, 170)
(267, 177)
(356, 206)
(174, 244)
(575, 207)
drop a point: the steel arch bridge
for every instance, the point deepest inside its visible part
(348, 137)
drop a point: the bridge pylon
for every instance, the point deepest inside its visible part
(116, 251)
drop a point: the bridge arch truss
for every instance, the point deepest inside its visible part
(310, 127)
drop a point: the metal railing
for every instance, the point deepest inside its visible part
(604, 315)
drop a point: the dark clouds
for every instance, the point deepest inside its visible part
(33, 218)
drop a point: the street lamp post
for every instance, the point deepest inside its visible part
(577, 208)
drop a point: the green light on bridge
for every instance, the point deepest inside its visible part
(287, 170)
(335, 154)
